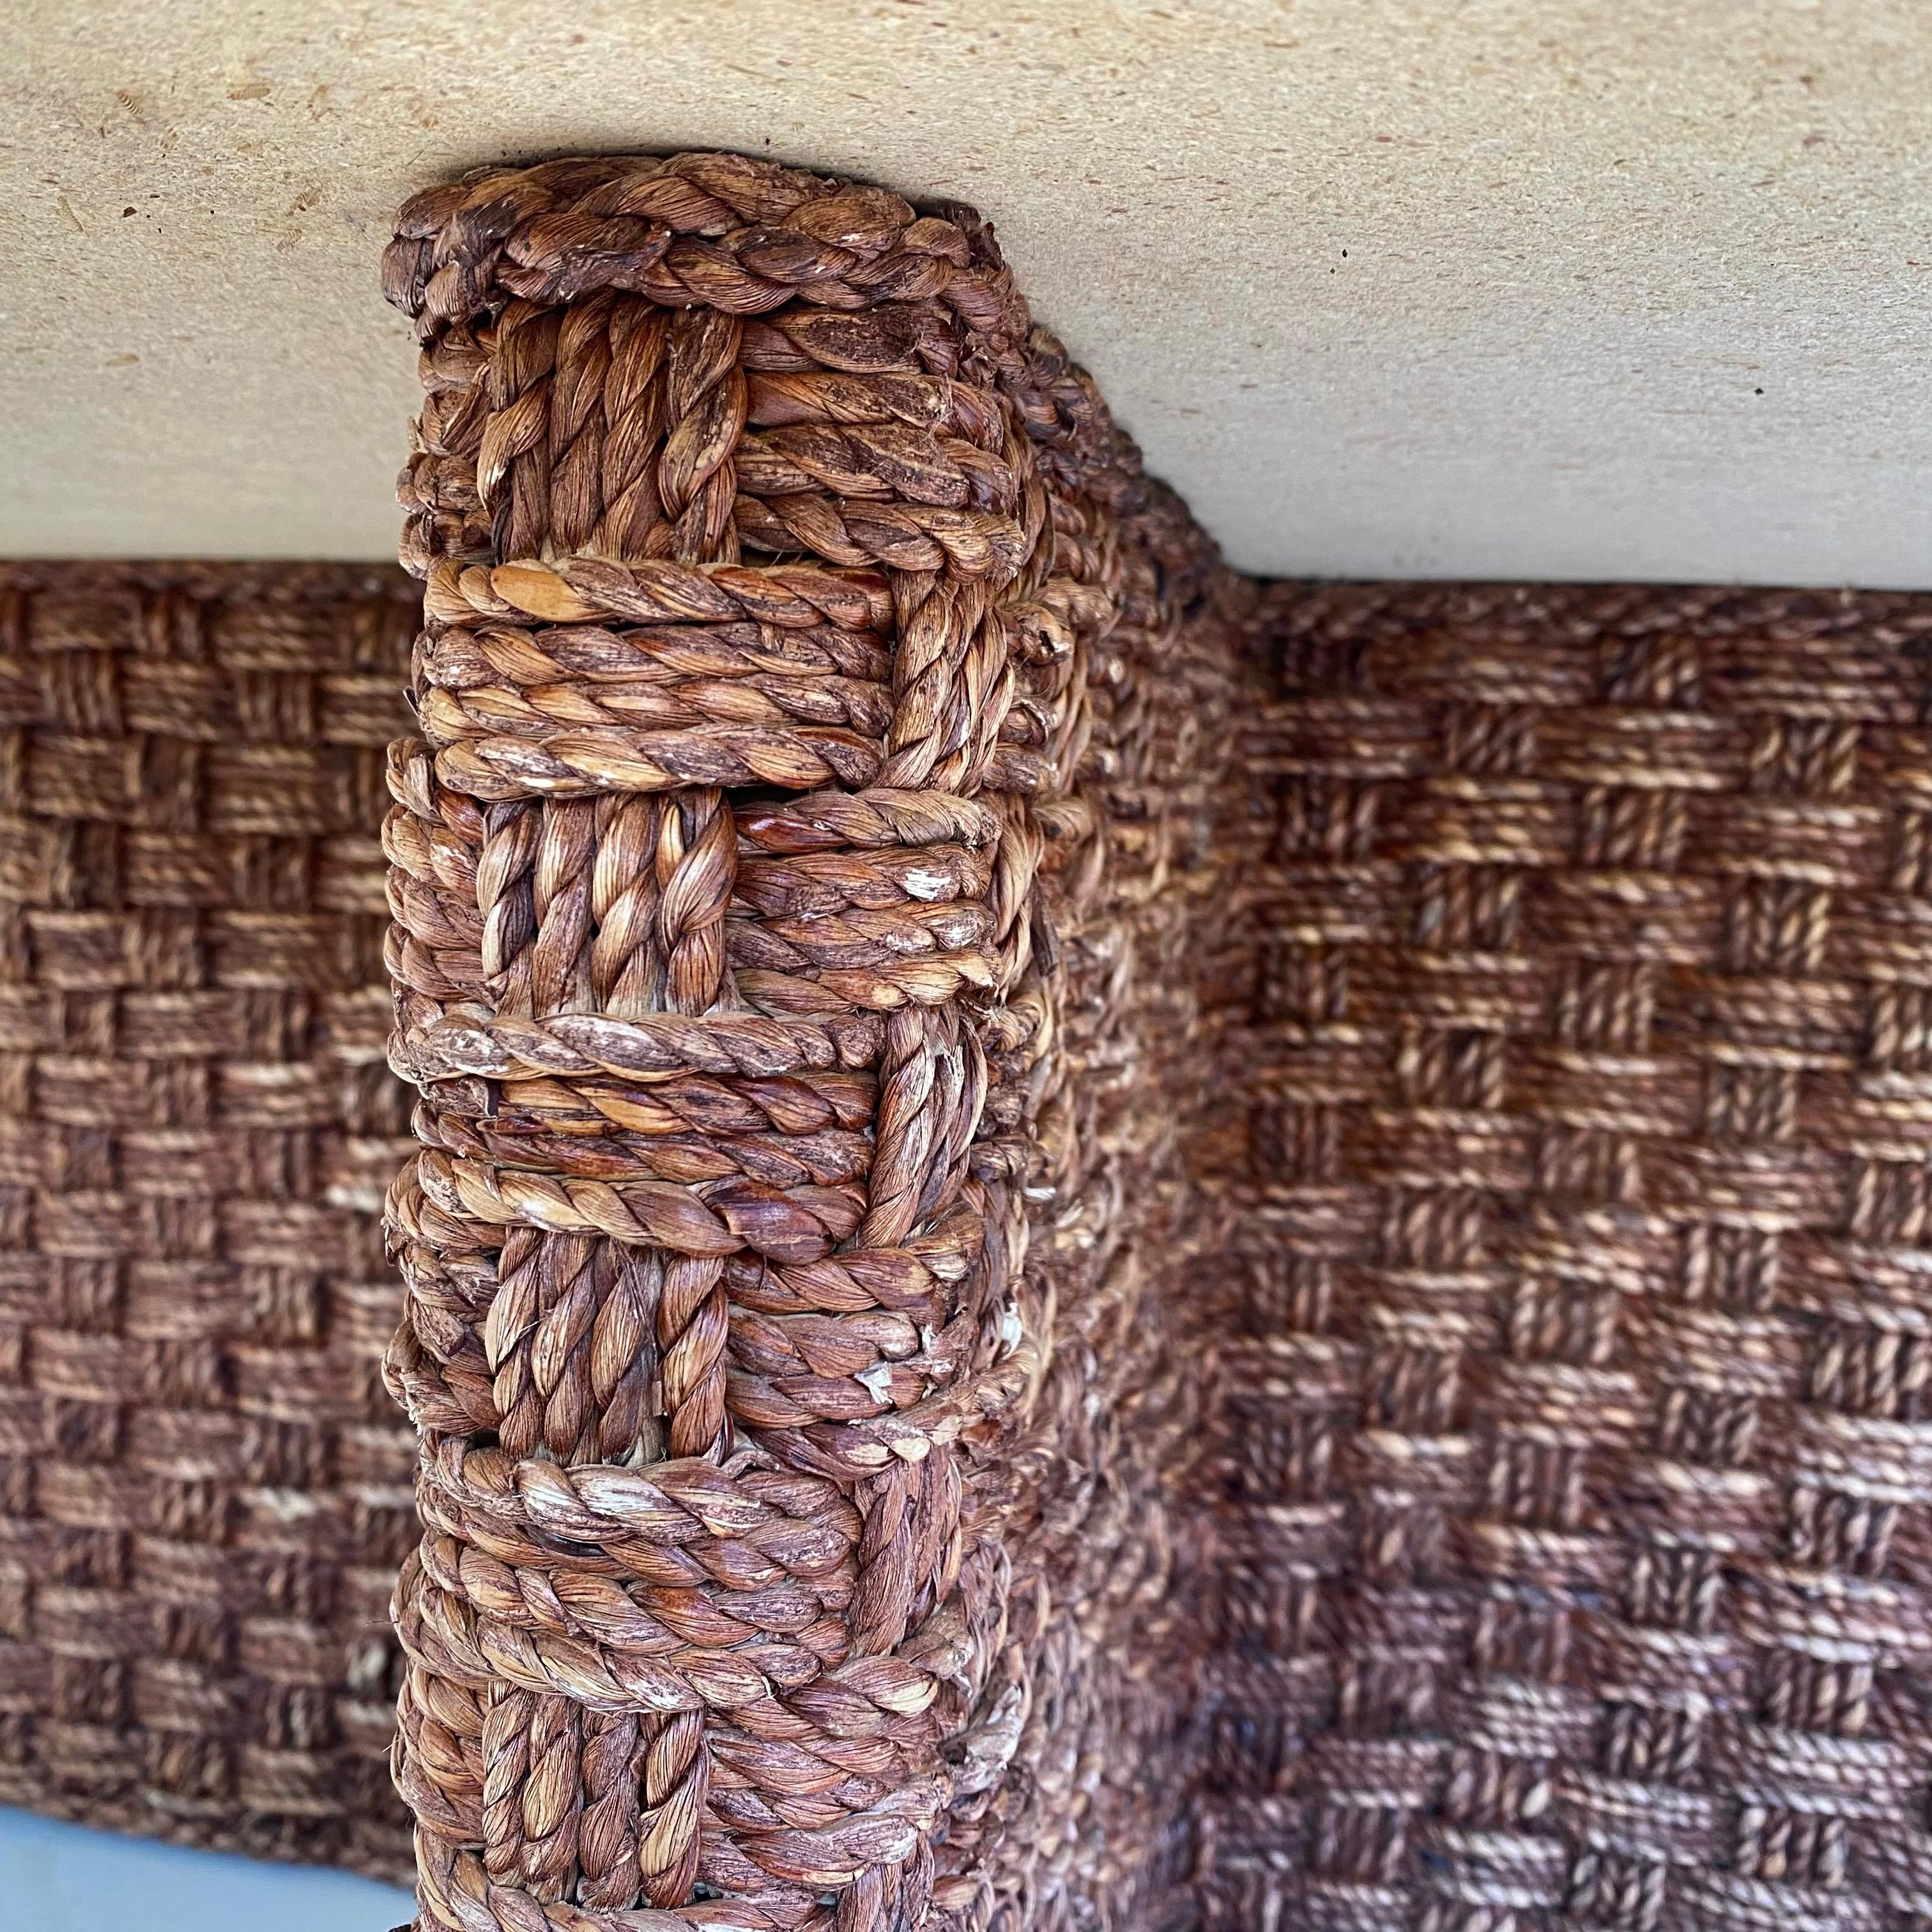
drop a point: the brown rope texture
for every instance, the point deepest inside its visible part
(793, 618)
(1562, 1506)
(204, 1491)
(1094, 1246)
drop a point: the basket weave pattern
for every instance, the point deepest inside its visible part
(1566, 1484)
(792, 1409)
(203, 1491)
(1093, 1246)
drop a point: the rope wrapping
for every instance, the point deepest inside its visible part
(768, 553)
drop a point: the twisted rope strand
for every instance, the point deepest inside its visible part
(765, 550)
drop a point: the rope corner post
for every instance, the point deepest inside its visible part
(804, 765)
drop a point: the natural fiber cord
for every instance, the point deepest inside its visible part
(792, 1410)
(1095, 1248)
(1563, 1552)
(203, 1492)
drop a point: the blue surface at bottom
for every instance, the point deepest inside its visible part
(63, 1878)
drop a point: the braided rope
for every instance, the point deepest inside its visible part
(759, 576)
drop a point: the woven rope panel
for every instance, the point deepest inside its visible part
(203, 1490)
(1093, 1248)
(1565, 1543)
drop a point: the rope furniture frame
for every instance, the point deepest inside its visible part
(1091, 1245)
(795, 621)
